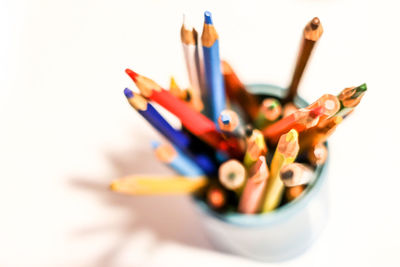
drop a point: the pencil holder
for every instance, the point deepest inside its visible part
(278, 235)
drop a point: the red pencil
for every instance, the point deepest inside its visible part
(193, 121)
(300, 120)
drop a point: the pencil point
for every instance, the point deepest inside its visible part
(128, 93)
(207, 17)
(362, 88)
(248, 131)
(292, 136)
(131, 74)
(315, 112)
(287, 174)
(315, 23)
(225, 118)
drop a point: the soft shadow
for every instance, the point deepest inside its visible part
(171, 218)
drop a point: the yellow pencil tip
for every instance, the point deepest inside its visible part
(338, 119)
(292, 136)
(114, 186)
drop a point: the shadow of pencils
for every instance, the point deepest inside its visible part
(170, 218)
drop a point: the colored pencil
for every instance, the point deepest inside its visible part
(158, 185)
(270, 110)
(293, 192)
(330, 103)
(192, 58)
(311, 34)
(285, 153)
(232, 175)
(176, 90)
(176, 137)
(254, 190)
(192, 120)
(255, 147)
(237, 92)
(318, 134)
(229, 123)
(296, 174)
(318, 154)
(301, 120)
(350, 98)
(289, 109)
(216, 197)
(212, 66)
(175, 159)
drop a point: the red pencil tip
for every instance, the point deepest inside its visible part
(132, 74)
(316, 112)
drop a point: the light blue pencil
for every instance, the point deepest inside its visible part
(212, 65)
(176, 160)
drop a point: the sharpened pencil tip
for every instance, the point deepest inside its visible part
(362, 87)
(315, 112)
(225, 118)
(128, 93)
(292, 136)
(315, 23)
(248, 131)
(207, 17)
(132, 74)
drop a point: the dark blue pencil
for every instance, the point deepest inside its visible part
(176, 137)
(212, 65)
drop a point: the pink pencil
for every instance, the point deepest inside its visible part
(253, 192)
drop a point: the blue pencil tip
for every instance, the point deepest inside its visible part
(225, 118)
(155, 144)
(207, 17)
(128, 93)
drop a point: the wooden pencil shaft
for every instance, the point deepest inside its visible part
(311, 35)
(237, 92)
(254, 190)
(285, 153)
(150, 185)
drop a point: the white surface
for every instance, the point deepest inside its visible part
(67, 131)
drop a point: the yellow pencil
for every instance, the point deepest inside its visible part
(285, 153)
(158, 185)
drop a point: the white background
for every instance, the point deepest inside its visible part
(67, 131)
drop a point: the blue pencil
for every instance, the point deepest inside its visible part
(176, 137)
(176, 160)
(212, 65)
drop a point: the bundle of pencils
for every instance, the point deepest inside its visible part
(250, 163)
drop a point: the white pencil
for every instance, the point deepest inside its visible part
(192, 58)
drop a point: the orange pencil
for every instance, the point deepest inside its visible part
(318, 134)
(318, 154)
(237, 92)
(294, 192)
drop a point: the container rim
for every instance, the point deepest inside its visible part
(289, 209)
